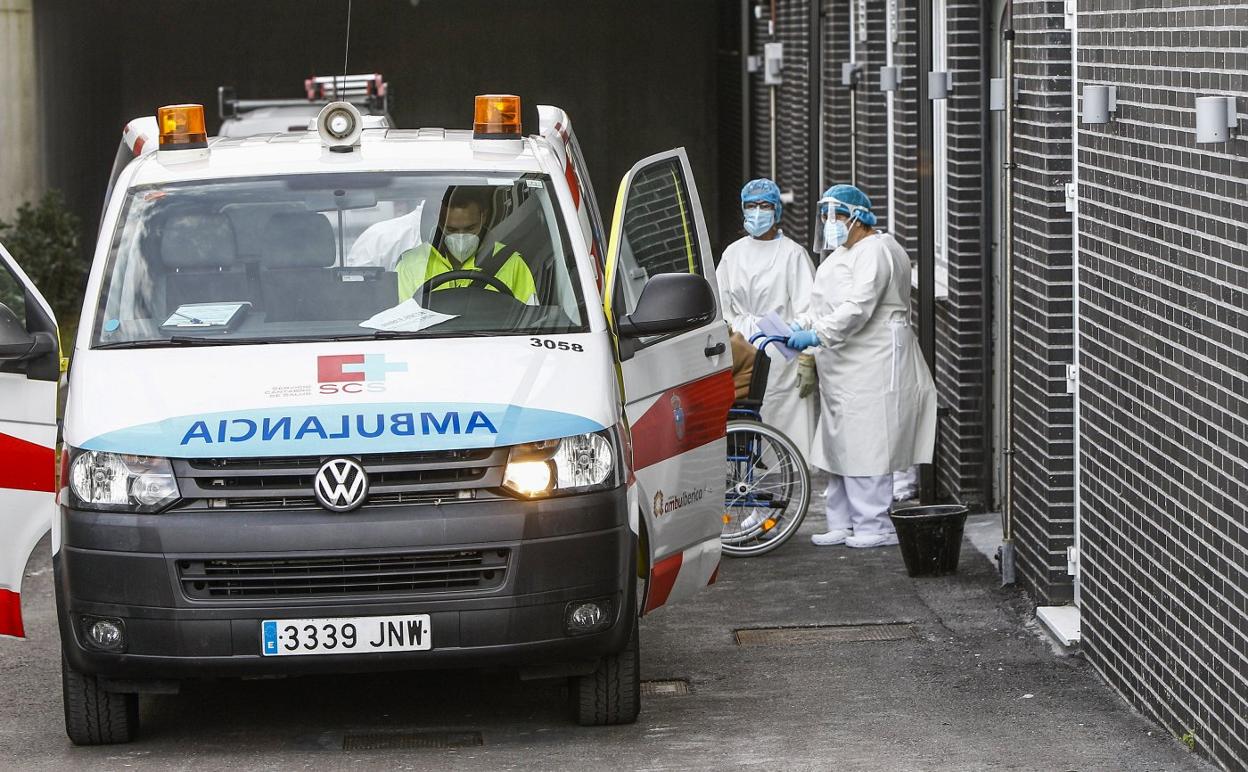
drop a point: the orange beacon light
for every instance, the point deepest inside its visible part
(497, 116)
(181, 127)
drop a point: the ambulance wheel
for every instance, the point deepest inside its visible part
(612, 693)
(94, 716)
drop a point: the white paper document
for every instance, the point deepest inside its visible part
(774, 326)
(408, 316)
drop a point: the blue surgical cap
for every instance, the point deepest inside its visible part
(762, 190)
(850, 196)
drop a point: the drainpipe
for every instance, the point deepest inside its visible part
(891, 107)
(747, 142)
(853, 96)
(771, 94)
(1005, 554)
(927, 216)
(987, 210)
(815, 126)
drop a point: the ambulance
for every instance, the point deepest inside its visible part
(309, 429)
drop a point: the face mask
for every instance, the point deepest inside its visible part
(759, 221)
(462, 245)
(835, 233)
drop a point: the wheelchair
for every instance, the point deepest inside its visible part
(767, 490)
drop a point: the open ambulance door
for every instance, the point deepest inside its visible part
(29, 370)
(677, 387)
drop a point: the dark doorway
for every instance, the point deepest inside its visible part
(637, 78)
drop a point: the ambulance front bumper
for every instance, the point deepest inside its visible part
(497, 579)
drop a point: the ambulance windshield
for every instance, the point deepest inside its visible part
(339, 256)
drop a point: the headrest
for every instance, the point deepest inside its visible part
(197, 241)
(298, 240)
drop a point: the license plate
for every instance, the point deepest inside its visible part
(350, 635)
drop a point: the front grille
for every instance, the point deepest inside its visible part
(399, 574)
(422, 477)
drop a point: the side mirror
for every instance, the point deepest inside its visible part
(16, 344)
(670, 302)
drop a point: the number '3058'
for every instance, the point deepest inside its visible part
(555, 345)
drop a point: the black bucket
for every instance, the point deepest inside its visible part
(930, 537)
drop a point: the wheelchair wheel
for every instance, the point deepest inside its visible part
(767, 489)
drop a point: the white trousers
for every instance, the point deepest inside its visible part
(906, 483)
(860, 504)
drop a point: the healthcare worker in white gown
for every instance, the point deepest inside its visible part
(877, 399)
(767, 272)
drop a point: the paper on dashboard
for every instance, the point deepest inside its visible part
(408, 316)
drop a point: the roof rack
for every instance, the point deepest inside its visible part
(369, 90)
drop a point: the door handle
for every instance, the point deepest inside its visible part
(714, 351)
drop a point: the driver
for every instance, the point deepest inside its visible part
(456, 246)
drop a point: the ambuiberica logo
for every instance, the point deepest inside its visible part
(666, 505)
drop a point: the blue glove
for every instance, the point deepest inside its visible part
(803, 339)
(795, 326)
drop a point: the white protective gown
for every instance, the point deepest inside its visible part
(381, 244)
(756, 278)
(877, 398)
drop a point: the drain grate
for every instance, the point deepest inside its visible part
(401, 741)
(770, 636)
(670, 686)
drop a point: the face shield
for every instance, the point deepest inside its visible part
(828, 206)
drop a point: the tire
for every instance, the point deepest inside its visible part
(611, 694)
(94, 716)
(788, 478)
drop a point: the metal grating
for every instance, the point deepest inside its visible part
(670, 686)
(343, 575)
(399, 741)
(770, 636)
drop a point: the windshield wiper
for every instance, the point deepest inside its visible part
(428, 332)
(176, 340)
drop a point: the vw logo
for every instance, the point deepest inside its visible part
(341, 485)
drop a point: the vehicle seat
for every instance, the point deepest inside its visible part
(525, 231)
(753, 400)
(299, 283)
(199, 253)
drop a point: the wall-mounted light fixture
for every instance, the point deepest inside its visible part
(939, 84)
(1099, 103)
(890, 78)
(1216, 118)
(851, 73)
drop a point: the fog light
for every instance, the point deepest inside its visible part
(588, 616)
(107, 634)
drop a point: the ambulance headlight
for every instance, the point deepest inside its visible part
(576, 464)
(115, 482)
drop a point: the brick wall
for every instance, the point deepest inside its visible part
(960, 376)
(872, 112)
(835, 45)
(793, 116)
(904, 223)
(1044, 419)
(1163, 333)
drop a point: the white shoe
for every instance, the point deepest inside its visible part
(872, 540)
(838, 536)
(753, 520)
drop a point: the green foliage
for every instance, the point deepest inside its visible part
(44, 239)
(1189, 740)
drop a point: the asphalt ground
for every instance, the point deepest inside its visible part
(971, 685)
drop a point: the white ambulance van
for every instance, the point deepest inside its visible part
(355, 399)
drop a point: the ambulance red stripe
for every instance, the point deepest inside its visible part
(11, 614)
(662, 580)
(703, 409)
(27, 466)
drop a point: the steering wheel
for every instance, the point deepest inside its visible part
(476, 277)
